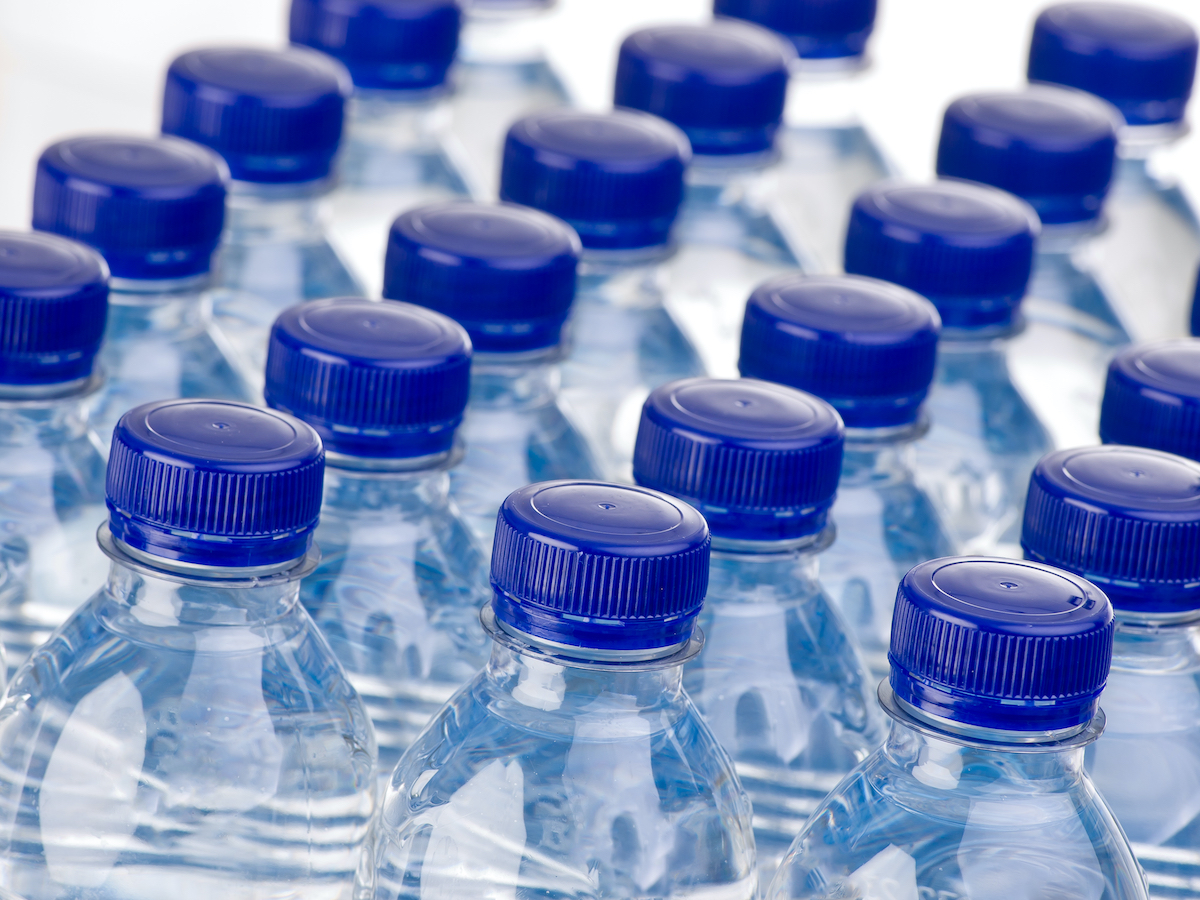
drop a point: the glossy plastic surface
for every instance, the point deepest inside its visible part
(820, 29)
(1152, 397)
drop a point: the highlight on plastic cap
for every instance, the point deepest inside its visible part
(1152, 397)
(864, 346)
(1053, 147)
(379, 380)
(599, 567)
(1000, 643)
(385, 44)
(819, 29)
(1141, 60)
(616, 178)
(966, 247)
(275, 115)
(761, 461)
(1125, 518)
(723, 83)
(506, 273)
(153, 207)
(214, 483)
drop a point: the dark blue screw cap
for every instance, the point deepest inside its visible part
(1125, 518)
(153, 207)
(214, 483)
(275, 115)
(1000, 643)
(53, 304)
(966, 247)
(1152, 397)
(506, 273)
(866, 347)
(381, 380)
(599, 566)
(1053, 147)
(616, 178)
(761, 461)
(724, 83)
(819, 29)
(385, 44)
(1139, 59)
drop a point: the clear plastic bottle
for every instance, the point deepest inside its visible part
(980, 790)
(402, 577)
(1152, 397)
(868, 348)
(780, 679)
(187, 730)
(968, 249)
(153, 208)
(575, 764)
(276, 118)
(393, 156)
(1128, 519)
(506, 274)
(621, 194)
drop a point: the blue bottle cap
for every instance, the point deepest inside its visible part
(819, 29)
(214, 483)
(275, 115)
(761, 461)
(867, 347)
(1125, 518)
(1000, 643)
(1140, 60)
(382, 380)
(506, 273)
(53, 303)
(385, 44)
(616, 178)
(599, 567)
(153, 207)
(1051, 146)
(966, 247)
(1152, 397)
(723, 83)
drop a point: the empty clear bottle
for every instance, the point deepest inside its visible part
(1152, 397)
(506, 274)
(1128, 519)
(621, 193)
(393, 156)
(868, 348)
(780, 680)
(153, 207)
(980, 790)
(402, 577)
(276, 118)
(968, 249)
(188, 730)
(575, 764)
(1142, 61)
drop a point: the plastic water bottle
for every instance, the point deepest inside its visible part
(153, 207)
(1055, 149)
(575, 764)
(402, 577)
(617, 179)
(1152, 397)
(980, 789)
(780, 680)
(829, 156)
(1128, 519)
(723, 84)
(187, 731)
(506, 274)
(1142, 61)
(393, 156)
(276, 117)
(969, 249)
(869, 349)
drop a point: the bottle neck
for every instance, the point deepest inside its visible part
(503, 34)
(515, 380)
(170, 307)
(758, 570)
(46, 414)
(1138, 142)
(1066, 238)
(627, 279)
(822, 93)
(395, 491)
(707, 174)
(1157, 643)
(270, 213)
(396, 121)
(879, 454)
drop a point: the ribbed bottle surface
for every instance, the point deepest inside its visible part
(1152, 397)
(819, 29)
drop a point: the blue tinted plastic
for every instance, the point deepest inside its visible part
(1152, 397)
(820, 29)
